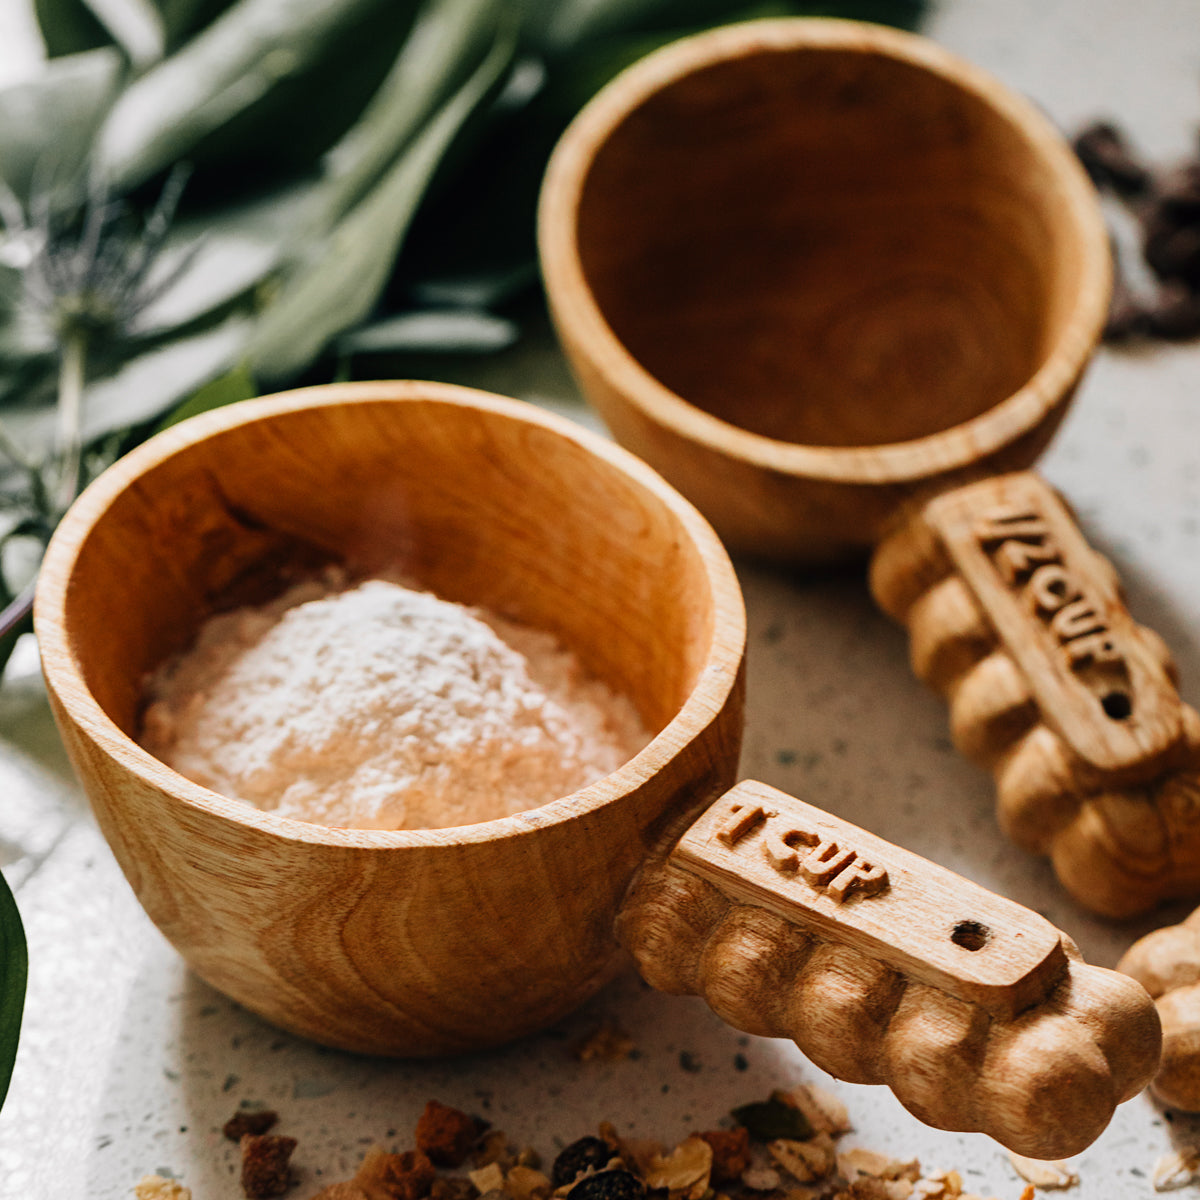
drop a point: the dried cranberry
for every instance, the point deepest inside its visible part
(587, 1154)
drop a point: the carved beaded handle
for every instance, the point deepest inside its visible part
(1053, 687)
(885, 968)
(1167, 964)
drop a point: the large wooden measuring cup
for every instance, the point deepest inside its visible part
(883, 967)
(836, 285)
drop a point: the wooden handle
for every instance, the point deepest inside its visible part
(1053, 687)
(885, 968)
(1167, 964)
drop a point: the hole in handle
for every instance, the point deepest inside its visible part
(971, 935)
(1117, 705)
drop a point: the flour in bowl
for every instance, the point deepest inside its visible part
(381, 707)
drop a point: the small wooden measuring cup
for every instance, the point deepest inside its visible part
(884, 968)
(836, 285)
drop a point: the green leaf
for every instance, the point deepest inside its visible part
(136, 27)
(339, 284)
(225, 69)
(237, 384)
(47, 123)
(142, 389)
(228, 253)
(14, 973)
(445, 332)
(443, 48)
(69, 27)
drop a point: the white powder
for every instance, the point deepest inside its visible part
(379, 707)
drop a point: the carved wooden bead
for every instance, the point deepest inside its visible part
(990, 709)
(1036, 790)
(665, 924)
(1041, 1070)
(839, 1009)
(1112, 1011)
(948, 633)
(1178, 1080)
(1072, 704)
(934, 1050)
(747, 968)
(904, 566)
(1167, 964)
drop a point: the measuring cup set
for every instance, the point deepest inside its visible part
(837, 287)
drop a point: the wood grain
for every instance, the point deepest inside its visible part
(1053, 687)
(425, 941)
(978, 1013)
(810, 268)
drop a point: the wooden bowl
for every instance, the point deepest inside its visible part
(809, 268)
(425, 941)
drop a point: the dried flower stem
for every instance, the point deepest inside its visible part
(71, 373)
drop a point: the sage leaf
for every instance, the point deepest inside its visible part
(223, 70)
(227, 254)
(340, 283)
(14, 971)
(447, 332)
(236, 384)
(445, 44)
(136, 27)
(142, 389)
(69, 27)
(70, 97)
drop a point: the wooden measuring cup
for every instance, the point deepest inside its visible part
(883, 967)
(837, 286)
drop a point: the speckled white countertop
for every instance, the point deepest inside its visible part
(128, 1064)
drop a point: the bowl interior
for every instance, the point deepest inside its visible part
(831, 244)
(478, 504)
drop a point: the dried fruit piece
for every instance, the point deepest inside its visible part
(774, 1118)
(446, 1134)
(265, 1164)
(609, 1185)
(256, 1121)
(730, 1153)
(493, 1148)
(159, 1187)
(407, 1176)
(453, 1188)
(608, 1043)
(587, 1154)
(524, 1183)
(1043, 1174)
(1176, 1170)
(489, 1178)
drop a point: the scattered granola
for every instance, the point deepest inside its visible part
(1044, 1174)
(730, 1153)
(1176, 1170)
(783, 1148)
(265, 1164)
(245, 1121)
(158, 1187)
(685, 1171)
(446, 1135)
(609, 1043)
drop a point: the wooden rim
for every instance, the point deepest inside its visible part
(64, 675)
(898, 462)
